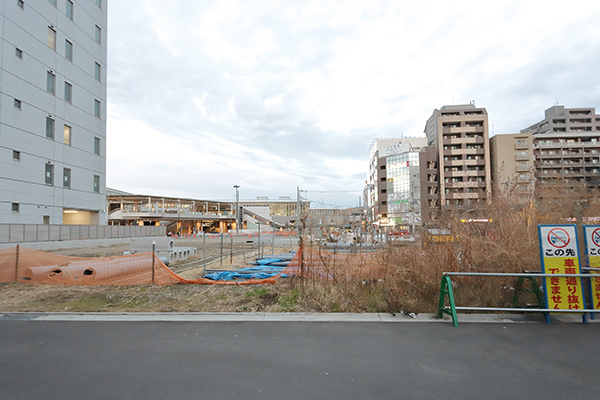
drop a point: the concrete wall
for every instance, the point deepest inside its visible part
(22, 233)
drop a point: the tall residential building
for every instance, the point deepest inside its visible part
(392, 194)
(566, 147)
(459, 134)
(53, 111)
(558, 119)
(562, 149)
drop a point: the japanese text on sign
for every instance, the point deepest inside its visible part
(592, 249)
(560, 255)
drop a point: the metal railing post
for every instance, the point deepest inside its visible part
(446, 289)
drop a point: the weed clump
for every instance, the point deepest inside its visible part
(407, 277)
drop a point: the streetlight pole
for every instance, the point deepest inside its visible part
(237, 208)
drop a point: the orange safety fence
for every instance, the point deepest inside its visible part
(19, 264)
(34, 266)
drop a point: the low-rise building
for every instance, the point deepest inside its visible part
(513, 166)
(392, 194)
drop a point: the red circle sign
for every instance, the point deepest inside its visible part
(596, 237)
(558, 238)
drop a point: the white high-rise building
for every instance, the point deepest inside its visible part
(53, 111)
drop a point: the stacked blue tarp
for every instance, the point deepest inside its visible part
(265, 268)
(246, 273)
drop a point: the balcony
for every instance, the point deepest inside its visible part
(447, 130)
(451, 141)
(479, 185)
(474, 140)
(473, 129)
(451, 152)
(454, 163)
(521, 144)
(474, 162)
(547, 144)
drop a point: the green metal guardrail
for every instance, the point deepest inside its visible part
(446, 290)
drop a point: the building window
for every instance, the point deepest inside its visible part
(18, 53)
(17, 104)
(97, 71)
(97, 108)
(46, 220)
(522, 143)
(522, 154)
(51, 38)
(96, 184)
(15, 208)
(49, 174)
(98, 35)
(49, 128)
(67, 178)
(68, 92)
(69, 50)
(21, 4)
(97, 145)
(16, 155)
(67, 135)
(50, 82)
(70, 10)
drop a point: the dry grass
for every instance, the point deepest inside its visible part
(410, 275)
(147, 298)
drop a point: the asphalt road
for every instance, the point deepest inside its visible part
(297, 360)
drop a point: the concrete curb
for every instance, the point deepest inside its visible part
(285, 317)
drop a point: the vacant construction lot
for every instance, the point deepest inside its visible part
(154, 298)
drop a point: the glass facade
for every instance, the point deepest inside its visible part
(403, 190)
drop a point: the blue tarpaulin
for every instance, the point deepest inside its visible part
(266, 261)
(246, 273)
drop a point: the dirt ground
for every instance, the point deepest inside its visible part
(27, 297)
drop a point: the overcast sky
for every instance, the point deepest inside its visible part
(271, 95)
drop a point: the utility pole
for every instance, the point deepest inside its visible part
(298, 202)
(237, 208)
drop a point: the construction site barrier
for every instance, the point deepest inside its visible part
(447, 291)
(19, 264)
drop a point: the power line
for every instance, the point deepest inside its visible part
(340, 191)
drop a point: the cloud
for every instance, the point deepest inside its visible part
(272, 95)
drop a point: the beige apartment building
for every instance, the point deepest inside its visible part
(512, 161)
(562, 149)
(458, 172)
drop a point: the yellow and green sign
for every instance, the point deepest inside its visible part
(592, 251)
(559, 253)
